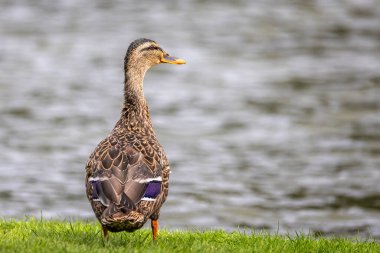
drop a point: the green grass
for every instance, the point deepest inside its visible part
(32, 235)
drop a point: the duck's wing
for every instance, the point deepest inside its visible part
(120, 176)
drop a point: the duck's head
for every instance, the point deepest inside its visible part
(145, 53)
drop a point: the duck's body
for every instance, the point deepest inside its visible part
(127, 175)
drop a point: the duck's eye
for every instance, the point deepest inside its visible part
(151, 48)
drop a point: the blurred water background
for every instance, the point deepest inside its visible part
(274, 123)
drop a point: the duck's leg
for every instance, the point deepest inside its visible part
(105, 233)
(154, 225)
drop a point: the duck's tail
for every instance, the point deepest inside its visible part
(122, 216)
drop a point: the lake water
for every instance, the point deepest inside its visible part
(274, 122)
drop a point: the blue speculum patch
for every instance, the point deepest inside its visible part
(153, 189)
(95, 195)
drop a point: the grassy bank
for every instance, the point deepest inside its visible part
(34, 235)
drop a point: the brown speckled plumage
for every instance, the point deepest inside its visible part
(127, 175)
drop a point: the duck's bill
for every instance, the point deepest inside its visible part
(172, 59)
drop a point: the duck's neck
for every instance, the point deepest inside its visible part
(135, 110)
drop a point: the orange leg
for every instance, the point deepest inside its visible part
(154, 225)
(105, 233)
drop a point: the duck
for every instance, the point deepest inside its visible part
(127, 175)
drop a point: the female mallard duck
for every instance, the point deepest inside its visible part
(127, 175)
